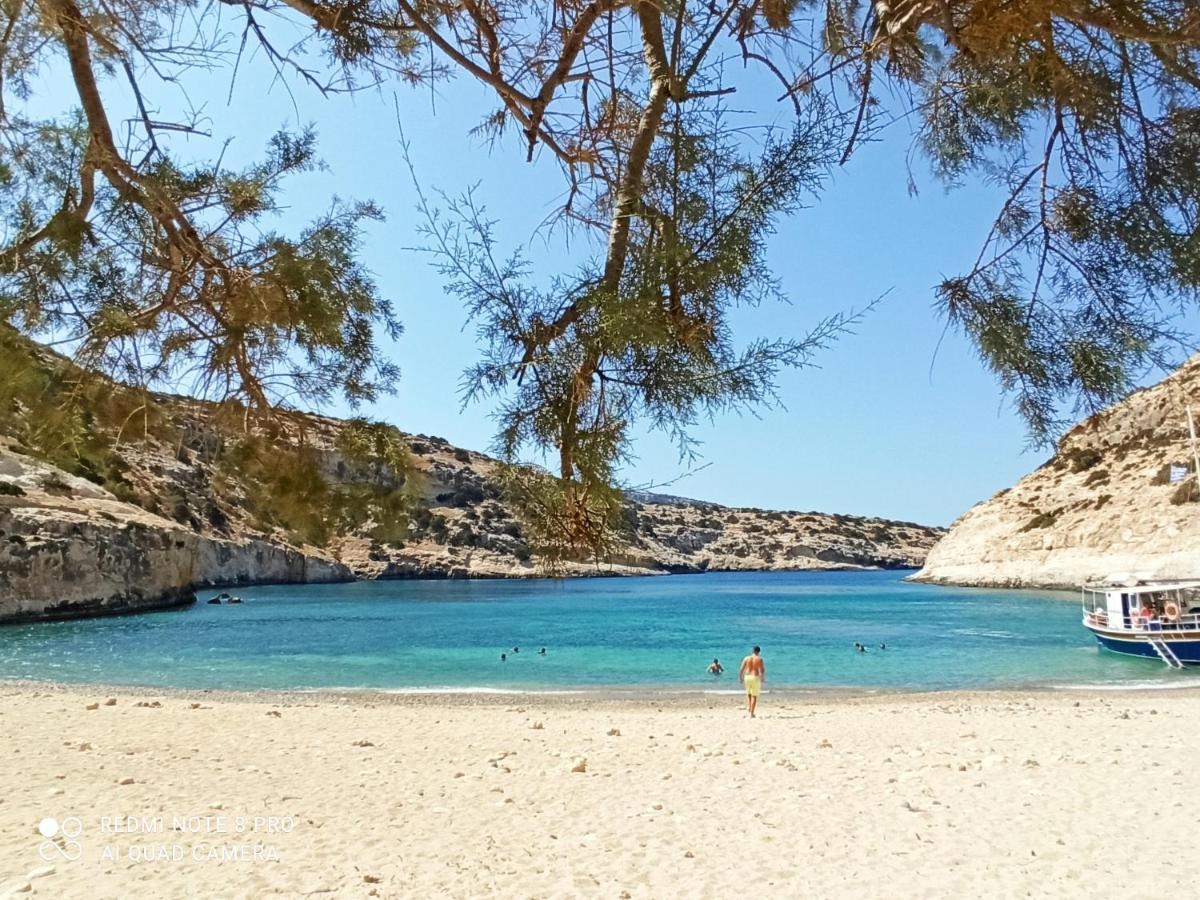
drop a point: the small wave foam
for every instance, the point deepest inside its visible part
(986, 632)
(1128, 686)
(364, 689)
(472, 689)
(605, 690)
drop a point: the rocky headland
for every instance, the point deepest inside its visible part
(131, 521)
(69, 547)
(1118, 500)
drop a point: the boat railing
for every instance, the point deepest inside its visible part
(1186, 622)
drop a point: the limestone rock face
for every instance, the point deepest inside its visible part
(68, 548)
(465, 530)
(185, 504)
(690, 536)
(1103, 506)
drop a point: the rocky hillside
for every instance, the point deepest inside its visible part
(1103, 506)
(69, 546)
(179, 505)
(69, 549)
(174, 520)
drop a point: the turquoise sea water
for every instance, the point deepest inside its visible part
(599, 633)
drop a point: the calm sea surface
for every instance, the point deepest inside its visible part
(599, 633)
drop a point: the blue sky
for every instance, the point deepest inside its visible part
(880, 428)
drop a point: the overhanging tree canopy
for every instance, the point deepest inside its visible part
(1086, 113)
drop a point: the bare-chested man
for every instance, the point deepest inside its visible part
(752, 674)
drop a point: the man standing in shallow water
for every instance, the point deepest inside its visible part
(752, 674)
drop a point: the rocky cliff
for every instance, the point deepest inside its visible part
(69, 547)
(1105, 505)
(123, 522)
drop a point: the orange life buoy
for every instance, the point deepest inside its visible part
(1171, 610)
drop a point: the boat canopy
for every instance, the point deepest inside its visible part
(1144, 587)
(1141, 603)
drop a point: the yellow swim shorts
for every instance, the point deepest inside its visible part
(753, 685)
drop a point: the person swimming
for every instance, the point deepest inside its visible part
(503, 657)
(542, 652)
(883, 646)
(859, 647)
(716, 668)
(516, 649)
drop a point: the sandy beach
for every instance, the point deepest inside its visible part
(205, 795)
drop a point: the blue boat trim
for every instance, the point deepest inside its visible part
(1146, 618)
(1188, 651)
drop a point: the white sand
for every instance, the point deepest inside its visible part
(948, 795)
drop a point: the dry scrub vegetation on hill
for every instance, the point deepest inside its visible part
(117, 498)
(1103, 505)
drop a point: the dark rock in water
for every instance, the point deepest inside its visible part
(234, 600)
(215, 601)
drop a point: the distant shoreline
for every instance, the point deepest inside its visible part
(582, 576)
(188, 597)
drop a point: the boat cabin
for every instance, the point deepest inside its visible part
(1142, 607)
